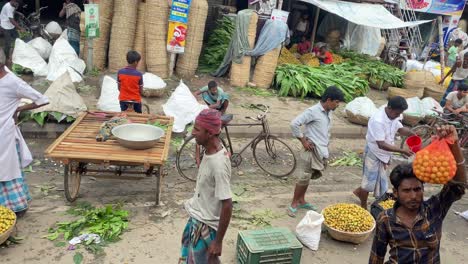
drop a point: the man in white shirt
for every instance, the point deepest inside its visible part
(210, 208)
(457, 102)
(459, 71)
(380, 138)
(9, 25)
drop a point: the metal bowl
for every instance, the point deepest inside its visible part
(137, 136)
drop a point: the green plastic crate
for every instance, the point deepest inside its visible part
(272, 245)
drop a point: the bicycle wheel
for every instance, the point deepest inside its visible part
(425, 132)
(274, 156)
(189, 158)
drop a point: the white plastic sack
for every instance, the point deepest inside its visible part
(309, 229)
(42, 46)
(64, 35)
(63, 58)
(362, 106)
(362, 39)
(109, 99)
(429, 104)
(53, 28)
(414, 107)
(28, 57)
(151, 81)
(183, 106)
(63, 98)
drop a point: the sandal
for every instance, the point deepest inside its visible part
(308, 206)
(292, 211)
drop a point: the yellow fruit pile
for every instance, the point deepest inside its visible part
(7, 219)
(434, 166)
(310, 60)
(387, 204)
(293, 49)
(286, 57)
(348, 217)
(337, 59)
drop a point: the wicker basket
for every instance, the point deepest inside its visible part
(357, 119)
(405, 93)
(355, 238)
(187, 63)
(156, 26)
(5, 235)
(435, 91)
(154, 92)
(265, 68)
(139, 44)
(101, 44)
(378, 84)
(123, 32)
(240, 73)
(411, 120)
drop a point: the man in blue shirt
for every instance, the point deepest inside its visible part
(214, 97)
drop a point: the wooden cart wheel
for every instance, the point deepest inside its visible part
(72, 181)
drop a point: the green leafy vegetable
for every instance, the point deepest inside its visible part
(78, 258)
(158, 124)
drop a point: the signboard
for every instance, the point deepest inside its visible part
(180, 11)
(263, 7)
(280, 15)
(91, 20)
(441, 7)
(176, 37)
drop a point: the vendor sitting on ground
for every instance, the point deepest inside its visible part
(304, 46)
(214, 97)
(325, 56)
(457, 101)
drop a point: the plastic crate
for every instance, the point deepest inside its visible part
(272, 245)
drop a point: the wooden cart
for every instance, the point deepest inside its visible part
(77, 147)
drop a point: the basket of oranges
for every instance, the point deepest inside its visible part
(7, 223)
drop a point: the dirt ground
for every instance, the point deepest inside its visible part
(154, 232)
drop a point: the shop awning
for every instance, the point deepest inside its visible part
(371, 15)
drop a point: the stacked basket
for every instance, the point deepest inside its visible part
(265, 68)
(187, 62)
(156, 24)
(139, 44)
(123, 32)
(240, 73)
(101, 44)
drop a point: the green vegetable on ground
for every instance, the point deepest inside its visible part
(348, 159)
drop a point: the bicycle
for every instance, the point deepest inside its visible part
(271, 154)
(425, 132)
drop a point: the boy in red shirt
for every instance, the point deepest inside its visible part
(325, 56)
(130, 82)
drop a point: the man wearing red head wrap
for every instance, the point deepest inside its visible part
(210, 208)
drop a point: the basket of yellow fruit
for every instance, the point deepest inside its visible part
(348, 222)
(7, 223)
(385, 202)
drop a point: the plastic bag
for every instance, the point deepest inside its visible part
(429, 104)
(183, 106)
(63, 58)
(435, 163)
(64, 35)
(362, 106)
(42, 46)
(109, 99)
(414, 107)
(362, 39)
(309, 229)
(27, 57)
(151, 81)
(53, 28)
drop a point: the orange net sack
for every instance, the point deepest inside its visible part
(435, 163)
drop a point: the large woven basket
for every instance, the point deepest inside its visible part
(187, 63)
(265, 69)
(357, 119)
(154, 92)
(405, 93)
(156, 26)
(240, 72)
(123, 32)
(411, 120)
(139, 44)
(5, 235)
(355, 238)
(435, 91)
(101, 44)
(379, 84)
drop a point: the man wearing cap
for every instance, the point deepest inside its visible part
(210, 208)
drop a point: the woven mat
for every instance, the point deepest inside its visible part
(265, 69)
(122, 32)
(157, 15)
(139, 44)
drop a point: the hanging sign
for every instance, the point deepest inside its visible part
(441, 7)
(179, 11)
(91, 20)
(280, 15)
(176, 37)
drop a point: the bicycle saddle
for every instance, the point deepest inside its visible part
(225, 119)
